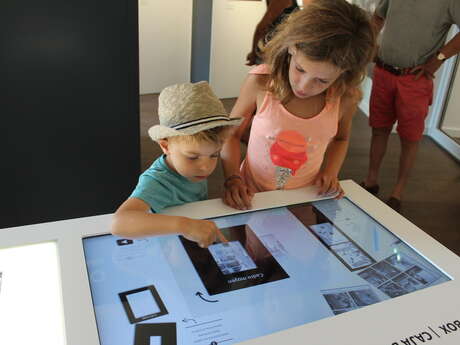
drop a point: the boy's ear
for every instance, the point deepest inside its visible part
(164, 145)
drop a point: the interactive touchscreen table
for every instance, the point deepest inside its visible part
(296, 269)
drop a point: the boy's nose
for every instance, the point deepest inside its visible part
(205, 166)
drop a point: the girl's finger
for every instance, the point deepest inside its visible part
(237, 199)
(333, 188)
(340, 195)
(326, 187)
(229, 199)
(340, 192)
(246, 198)
(319, 184)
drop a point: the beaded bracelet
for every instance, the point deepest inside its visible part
(231, 178)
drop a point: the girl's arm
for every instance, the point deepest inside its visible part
(327, 180)
(132, 220)
(274, 10)
(236, 193)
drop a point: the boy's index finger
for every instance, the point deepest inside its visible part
(221, 236)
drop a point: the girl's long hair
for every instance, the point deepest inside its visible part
(333, 31)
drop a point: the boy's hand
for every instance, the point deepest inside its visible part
(328, 185)
(203, 232)
(237, 195)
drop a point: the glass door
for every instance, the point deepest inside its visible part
(444, 126)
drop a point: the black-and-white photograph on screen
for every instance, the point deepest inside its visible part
(386, 269)
(363, 297)
(274, 246)
(231, 257)
(401, 262)
(240, 263)
(329, 233)
(348, 252)
(423, 276)
(400, 274)
(352, 256)
(373, 277)
(155, 334)
(408, 283)
(392, 289)
(342, 300)
(142, 304)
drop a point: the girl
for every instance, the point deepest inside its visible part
(304, 99)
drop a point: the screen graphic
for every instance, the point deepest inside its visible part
(142, 304)
(280, 268)
(240, 263)
(155, 334)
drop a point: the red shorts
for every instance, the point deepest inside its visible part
(400, 98)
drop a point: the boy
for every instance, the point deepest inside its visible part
(193, 126)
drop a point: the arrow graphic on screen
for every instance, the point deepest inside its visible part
(199, 294)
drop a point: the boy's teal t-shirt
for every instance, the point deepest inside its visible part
(161, 187)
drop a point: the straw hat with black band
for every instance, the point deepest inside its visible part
(186, 109)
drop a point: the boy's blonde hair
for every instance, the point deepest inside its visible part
(333, 31)
(216, 135)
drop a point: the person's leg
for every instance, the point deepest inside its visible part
(412, 102)
(409, 150)
(377, 151)
(382, 116)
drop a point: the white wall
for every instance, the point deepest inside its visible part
(165, 41)
(233, 24)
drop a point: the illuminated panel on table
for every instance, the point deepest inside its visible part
(31, 310)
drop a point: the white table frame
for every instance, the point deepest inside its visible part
(387, 323)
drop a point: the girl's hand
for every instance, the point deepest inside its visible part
(203, 232)
(237, 194)
(328, 185)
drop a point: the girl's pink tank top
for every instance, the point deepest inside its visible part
(285, 151)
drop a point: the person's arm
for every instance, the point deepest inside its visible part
(430, 67)
(452, 47)
(132, 220)
(236, 193)
(327, 180)
(377, 23)
(274, 9)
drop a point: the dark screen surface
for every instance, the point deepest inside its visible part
(69, 106)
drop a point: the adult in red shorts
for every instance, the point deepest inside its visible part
(412, 49)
